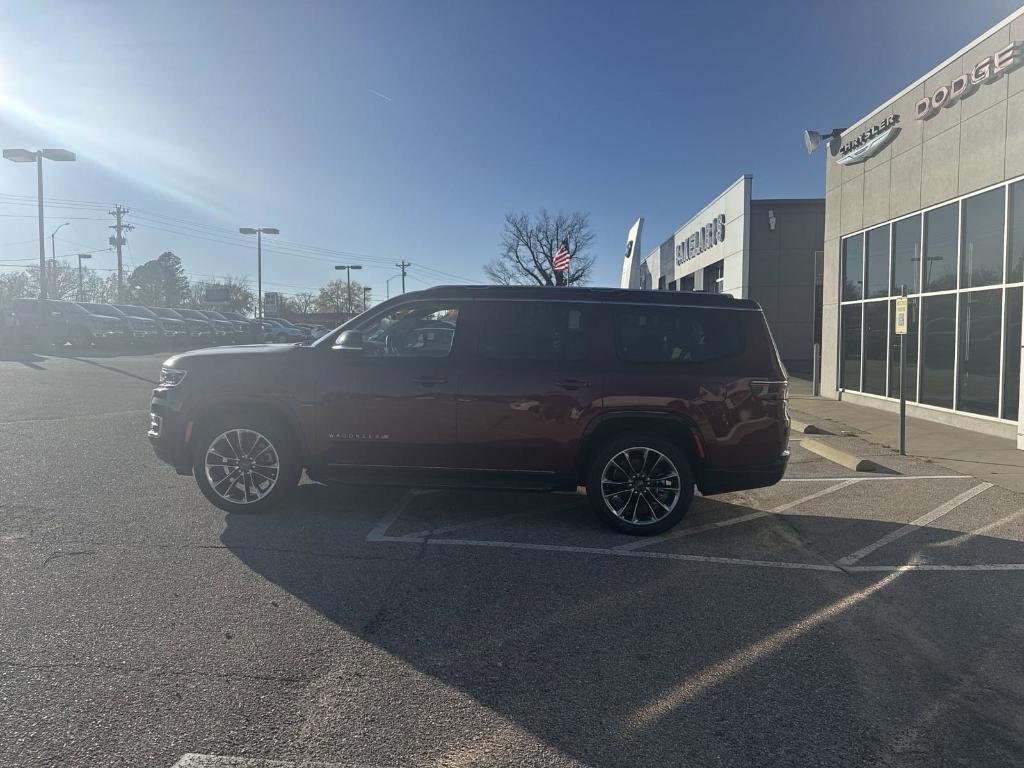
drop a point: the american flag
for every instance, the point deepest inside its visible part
(561, 260)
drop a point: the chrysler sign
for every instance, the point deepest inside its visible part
(987, 70)
(870, 142)
(708, 236)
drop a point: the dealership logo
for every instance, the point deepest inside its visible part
(629, 249)
(708, 236)
(988, 70)
(870, 142)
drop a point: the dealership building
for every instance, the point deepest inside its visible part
(768, 250)
(926, 195)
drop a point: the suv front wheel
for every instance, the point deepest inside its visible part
(246, 463)
(640, 483)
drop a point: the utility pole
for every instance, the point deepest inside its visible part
(403, 265)
(117, 240)
(366, 290)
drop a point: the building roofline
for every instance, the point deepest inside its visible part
(999, 25)
(787, 200)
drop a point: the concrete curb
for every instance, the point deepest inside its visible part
(795, 425)
(844, 458)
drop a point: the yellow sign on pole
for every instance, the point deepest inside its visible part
(901, 316)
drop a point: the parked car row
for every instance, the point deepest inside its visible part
(82, 324)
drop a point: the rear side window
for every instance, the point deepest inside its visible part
(533, 330)
(678, 334)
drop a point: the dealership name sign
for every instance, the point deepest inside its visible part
(708, 236)
(987, 70)
(868, 142)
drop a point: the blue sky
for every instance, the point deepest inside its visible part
(392, 130)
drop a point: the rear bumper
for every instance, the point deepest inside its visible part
(714, 481)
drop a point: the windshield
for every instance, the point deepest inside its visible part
(168, 313)
(194, 314)
(102, 309)
(214, 315)
(71, 309)
(131, 309)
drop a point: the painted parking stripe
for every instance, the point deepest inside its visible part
(876, 479)
(648, 542)
(914, 525)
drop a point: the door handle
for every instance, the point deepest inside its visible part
(429, 381)
(571, 384)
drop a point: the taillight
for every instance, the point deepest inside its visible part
(770, 390)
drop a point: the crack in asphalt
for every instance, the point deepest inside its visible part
(58, 554)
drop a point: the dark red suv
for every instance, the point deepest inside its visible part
(637, 395)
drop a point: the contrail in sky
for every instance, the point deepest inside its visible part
(378, 93)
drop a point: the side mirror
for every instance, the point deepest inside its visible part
(350, 342)
(55, 313)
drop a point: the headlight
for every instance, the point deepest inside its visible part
(171, 377)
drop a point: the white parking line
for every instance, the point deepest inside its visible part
(914, 525)
(648, 542)
(873, 478)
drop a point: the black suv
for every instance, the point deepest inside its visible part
(59, 322)
(638, 395)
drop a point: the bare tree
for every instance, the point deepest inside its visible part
(304, 303)
(528, 248)
(334, 297)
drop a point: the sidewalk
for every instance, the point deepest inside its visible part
(993, 459)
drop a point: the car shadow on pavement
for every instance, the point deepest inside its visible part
(647, 661)
(25, 357)
(111, 368)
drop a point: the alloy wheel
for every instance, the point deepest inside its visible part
(242, 466)
(640, 485)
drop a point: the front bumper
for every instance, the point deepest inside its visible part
(168, 432)
(742, 478)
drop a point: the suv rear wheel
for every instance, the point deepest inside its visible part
(640, 483)
(245, 463)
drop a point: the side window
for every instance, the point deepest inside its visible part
(415, 330)
(677, 335)
(533, 330)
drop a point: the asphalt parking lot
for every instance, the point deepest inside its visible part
(834, 619)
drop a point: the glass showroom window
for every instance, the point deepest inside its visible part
(853, 268)
(1011, 363)
(877, 267)
(876, 325)
(940, 238)
(962, 266)
(981, 253)
(849, 369)
(910, 372)
(1015, 251)
(906, 255)
(938, 340)
(978, 369)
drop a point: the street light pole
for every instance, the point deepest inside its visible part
(53, 251)
(348, 271)
(80, 257)
(28, 156)
(259, 232)
(387, 285)
(42, 242)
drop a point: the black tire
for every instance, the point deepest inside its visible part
(80, 337)
(650, 488)
(282, 443)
